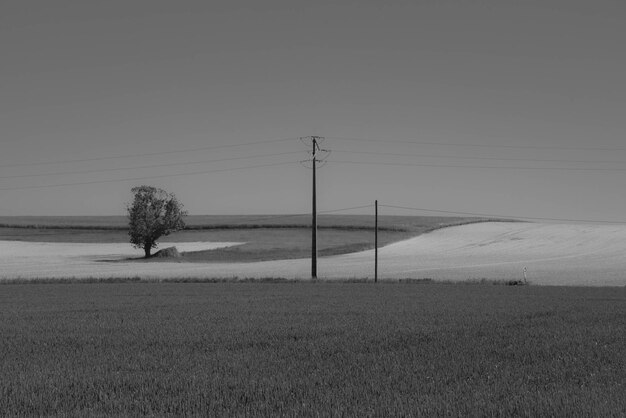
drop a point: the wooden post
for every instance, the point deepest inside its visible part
(375, 241)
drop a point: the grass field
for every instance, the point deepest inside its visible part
(303, 349)
(265, 237)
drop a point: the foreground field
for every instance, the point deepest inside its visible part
(556, 254)
(303, 349)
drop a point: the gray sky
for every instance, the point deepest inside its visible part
(534, 80)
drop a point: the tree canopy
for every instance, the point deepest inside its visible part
(152, 214)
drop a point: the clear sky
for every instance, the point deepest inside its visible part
(491, 106)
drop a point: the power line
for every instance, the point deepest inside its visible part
(58, 173)
(453, 144)
(479, 166)
(345, 209)
(180, 151)
(146, 178)
(502, 216)
(456, 157)
(273, 217)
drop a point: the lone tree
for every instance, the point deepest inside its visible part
(154, 213)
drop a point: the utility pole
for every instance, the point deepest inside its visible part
(315, 149)
(314, 213)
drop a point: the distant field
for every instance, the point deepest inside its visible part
(405, 223)
(267, 237)
(305, 349)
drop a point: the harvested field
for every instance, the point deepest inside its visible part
(554, 254)
(58, 260)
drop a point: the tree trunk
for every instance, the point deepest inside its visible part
(147, 248)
